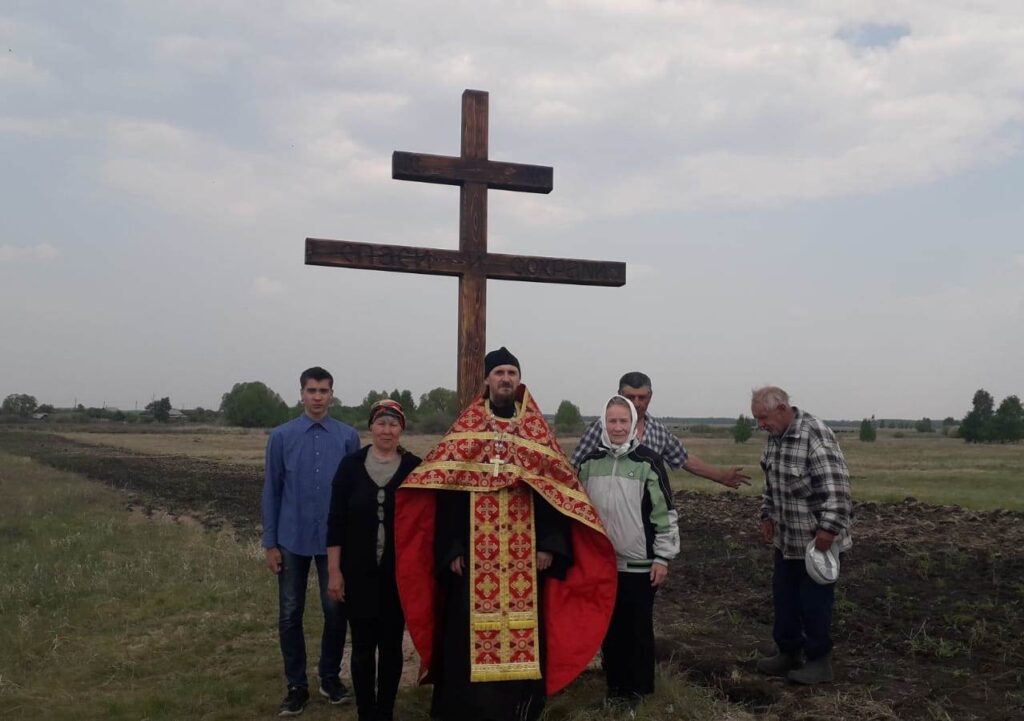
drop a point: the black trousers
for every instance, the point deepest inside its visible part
(377, 663)
(803, 609)
(628, 648)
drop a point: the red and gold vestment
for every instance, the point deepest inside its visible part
(506, 465)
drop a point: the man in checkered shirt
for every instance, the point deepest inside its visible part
(806, 497)
(652, 433)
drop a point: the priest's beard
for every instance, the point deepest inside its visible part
(504, 408)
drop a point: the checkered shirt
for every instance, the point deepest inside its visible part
(656, 437)
(806, 486)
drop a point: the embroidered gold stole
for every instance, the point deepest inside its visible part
(503, 620)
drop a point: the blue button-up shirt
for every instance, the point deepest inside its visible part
(302, 457)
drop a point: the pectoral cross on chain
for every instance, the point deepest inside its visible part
(497, 463)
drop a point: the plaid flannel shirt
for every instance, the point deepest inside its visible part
(806, 486)
(657, 437)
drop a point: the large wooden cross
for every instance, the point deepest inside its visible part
(474, 173)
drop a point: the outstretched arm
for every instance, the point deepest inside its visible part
(730, 477)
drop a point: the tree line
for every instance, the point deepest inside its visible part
(986, 424)
(255, 405)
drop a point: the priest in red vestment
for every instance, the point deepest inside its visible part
(506, 576)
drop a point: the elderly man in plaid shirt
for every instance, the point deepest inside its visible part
(806, 496)
(652, 433)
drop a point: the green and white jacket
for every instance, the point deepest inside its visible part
(632, 496)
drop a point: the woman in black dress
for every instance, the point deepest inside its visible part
(361, 559)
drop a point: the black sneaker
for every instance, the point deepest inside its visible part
(334, 690)
(294, 702)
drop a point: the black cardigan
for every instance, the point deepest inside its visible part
(370, 588)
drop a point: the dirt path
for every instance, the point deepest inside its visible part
(929, 614)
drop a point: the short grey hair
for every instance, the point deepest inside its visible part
(769, 397)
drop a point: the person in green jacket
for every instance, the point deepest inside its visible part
(628, 485)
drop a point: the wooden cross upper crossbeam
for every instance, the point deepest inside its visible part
(474, 173)
(449, 170)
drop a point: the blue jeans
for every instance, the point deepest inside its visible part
(291, 586)
(803, 609)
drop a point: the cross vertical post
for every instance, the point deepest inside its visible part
(473, 245)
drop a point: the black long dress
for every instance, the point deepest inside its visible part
(455, 697)
(371, 594)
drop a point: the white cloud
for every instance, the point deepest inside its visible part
(206, 177)
(205, 54)
(42, 252)
(267, 286)
(16, 70)
(70, 126)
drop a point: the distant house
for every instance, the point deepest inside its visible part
(40, 416)
(176, 415)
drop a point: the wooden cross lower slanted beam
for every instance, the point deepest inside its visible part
(474, 173)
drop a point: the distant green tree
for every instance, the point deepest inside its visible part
(408, 402)
(160, 409)
(867, 431)
(976, 427)
(437, 410)
(1008, 421)
(45, 408)
(355, 416)
(371, 398)
(18, 404)
(568, 417)
(948, 421)
(442, 400)
(743, 429)
(924, 426)
(201, 415)
(253, 405)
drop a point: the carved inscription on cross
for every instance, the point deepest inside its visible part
(474, 173)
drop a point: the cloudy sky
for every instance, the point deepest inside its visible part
(828, 196)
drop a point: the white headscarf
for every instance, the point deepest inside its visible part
(631, 440)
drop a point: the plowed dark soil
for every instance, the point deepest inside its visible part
(929, 619)
(929, 616)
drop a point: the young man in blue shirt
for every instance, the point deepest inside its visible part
(302, 457)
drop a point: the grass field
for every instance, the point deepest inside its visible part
(930, 468)
(116, 615)
(122, 614)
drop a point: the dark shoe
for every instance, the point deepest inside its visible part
(334, 690)
(817, 671)
(294, 702)
(780, 664)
